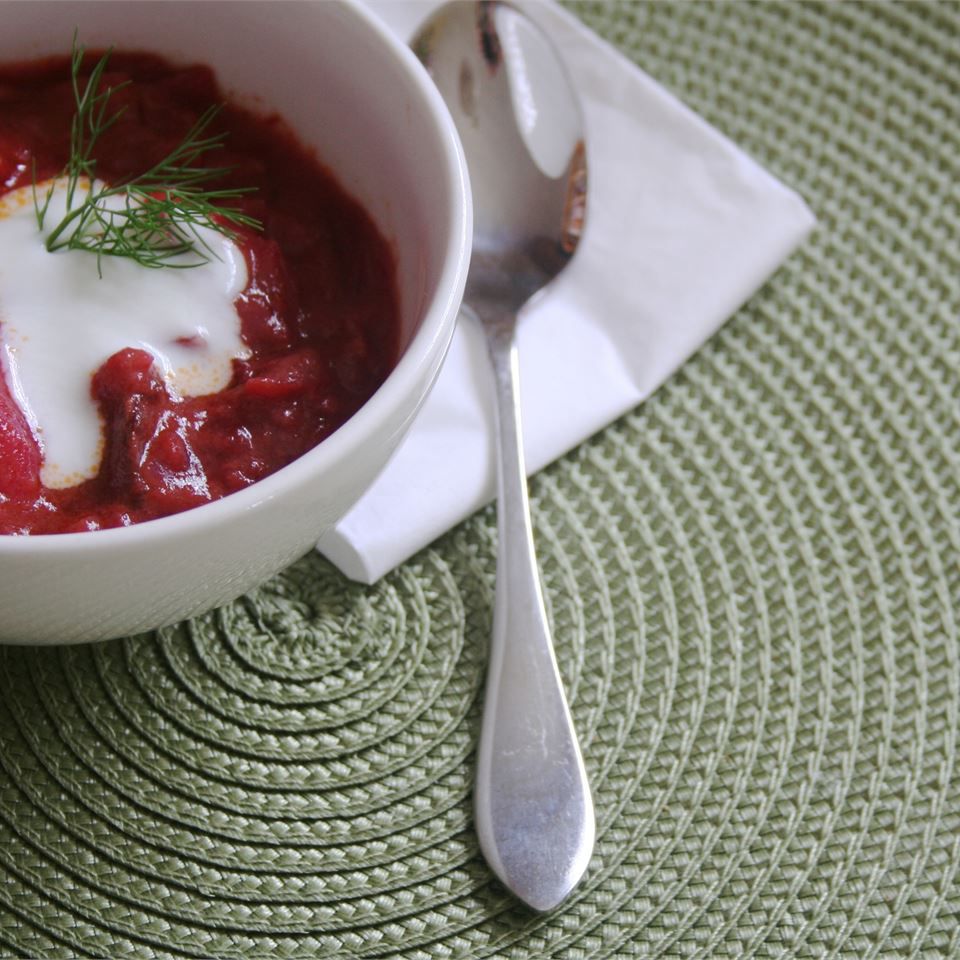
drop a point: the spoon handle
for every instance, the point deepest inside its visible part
(533, 808)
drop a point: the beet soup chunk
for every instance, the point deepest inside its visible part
(149, 459)
(19, 453)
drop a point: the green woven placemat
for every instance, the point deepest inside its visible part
(753, 580)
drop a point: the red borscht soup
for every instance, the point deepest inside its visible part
(319, 315)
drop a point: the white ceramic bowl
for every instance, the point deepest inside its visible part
(362, 100)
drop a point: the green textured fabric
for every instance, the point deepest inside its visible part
(753, 580)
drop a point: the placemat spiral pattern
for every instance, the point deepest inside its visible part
(754, 585)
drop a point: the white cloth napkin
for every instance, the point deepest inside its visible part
(682, 228)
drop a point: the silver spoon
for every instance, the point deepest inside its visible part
(522, 133)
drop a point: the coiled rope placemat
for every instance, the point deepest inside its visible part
(753, 580)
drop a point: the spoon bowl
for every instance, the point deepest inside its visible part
(520, 124)
(522, 132)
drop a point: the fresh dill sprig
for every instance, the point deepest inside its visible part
(155, 218)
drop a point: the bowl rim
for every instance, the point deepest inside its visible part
(426, 349)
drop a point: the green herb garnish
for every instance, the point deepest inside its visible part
(154, 218)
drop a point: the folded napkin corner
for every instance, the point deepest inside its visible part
(682, 228)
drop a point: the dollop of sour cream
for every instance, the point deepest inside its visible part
(60, 320)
